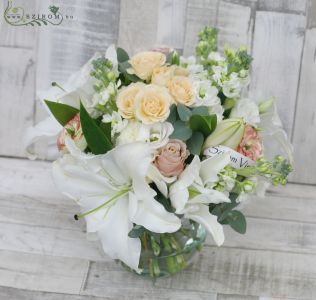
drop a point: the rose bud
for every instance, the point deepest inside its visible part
(73, 130)
(170, 159)
(251, 144)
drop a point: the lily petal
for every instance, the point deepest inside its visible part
(114, 235)
(149, 213)
(212, 166)
(211, 196)
(209, 221)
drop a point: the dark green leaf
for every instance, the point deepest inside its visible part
(184, 112)
(123, 66)
(121, 55)
(204, 124)
(97, 140)
(200, 110)
(181, 131)
(106, 128)
(237, 221)
(173, 58)
(195, 143)
(136, 231)
(63, 113)
(173, 114)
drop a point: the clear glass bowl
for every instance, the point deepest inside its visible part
(169, 253)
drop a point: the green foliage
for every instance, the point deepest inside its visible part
(173, 58)
(237, 60)
(122, 55)
(195, 143)
(63, 113)
(173, 114)
(200, 110)
(184, 112)
(136, 231)
(98, 142)
(204, 124)
(207, 42)
(181, 131)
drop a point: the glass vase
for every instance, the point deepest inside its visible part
(169, 253)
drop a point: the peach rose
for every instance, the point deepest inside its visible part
(73, 130)
(251, 144)
(152, 104)
(126, 100)
(145, 62)
(181, 88)
(170, 158)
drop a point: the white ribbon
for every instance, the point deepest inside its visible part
(237, 160)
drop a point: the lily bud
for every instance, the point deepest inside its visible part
(228, 133)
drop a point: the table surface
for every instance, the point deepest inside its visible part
(44, 253)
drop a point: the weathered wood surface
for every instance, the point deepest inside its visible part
(305, 122)
(278, 44)
(276, 257)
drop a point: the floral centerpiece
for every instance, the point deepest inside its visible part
(157, 149)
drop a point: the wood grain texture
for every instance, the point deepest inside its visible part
(199, 14)
(235, 25)
(17, 90)
(138, 25)
(20, 294)
(42, 273)
(171, 23)
(227, 271)
(291, 6)
(18, 36)
(235, 297)
(112, 280)
(278, 42)
(305, 122)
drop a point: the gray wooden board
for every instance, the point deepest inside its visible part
(290, 6)
(278, 43)
(17, 90)
(224, 270)
(138, 25)
(7, 293)
(41, 272)
(305, 124)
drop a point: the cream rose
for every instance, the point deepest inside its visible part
(152, 104)
(181, 88)
(126, 100)
(162, 75)
(144, 63)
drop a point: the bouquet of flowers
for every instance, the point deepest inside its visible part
(157, 149)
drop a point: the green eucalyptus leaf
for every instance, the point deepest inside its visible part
(200, 110)
(173, 114)
(195, 143)
(121, 55)
(63, 113)
(237, 221)
(203, 124)
(181, 131)
(184, 112)
(97, 140)
(136, 231)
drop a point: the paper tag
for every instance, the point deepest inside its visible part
(237, 160)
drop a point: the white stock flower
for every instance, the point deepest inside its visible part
(117, 122)
(112, 192)
(205, 94)
(232, 87)
(218, 73)
(157, 134)
(191, 65)
(248, 110)
(192, 193)
(216, 56)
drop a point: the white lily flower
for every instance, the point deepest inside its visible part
(113, 194)
(192, 193)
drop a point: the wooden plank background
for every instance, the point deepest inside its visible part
(44, 254)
